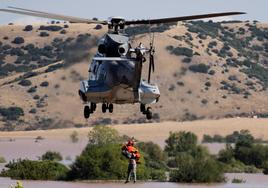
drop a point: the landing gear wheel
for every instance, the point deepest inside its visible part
(149, 113)
(87, 112)
(104, 108)
(93, 107)
(142, 108)
(111, 108)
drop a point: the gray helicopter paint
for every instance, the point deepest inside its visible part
(111, 81)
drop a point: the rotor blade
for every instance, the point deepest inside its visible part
(51, 16)
(183, 18)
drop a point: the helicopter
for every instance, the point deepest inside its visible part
(116, 69)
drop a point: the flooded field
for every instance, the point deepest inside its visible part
(252, 181)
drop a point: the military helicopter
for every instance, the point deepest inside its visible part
(116, 69)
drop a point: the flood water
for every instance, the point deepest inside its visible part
(252, 181)
(28, 148)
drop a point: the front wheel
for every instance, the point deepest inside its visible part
(86, 112)
(104, 108)
(149, 113)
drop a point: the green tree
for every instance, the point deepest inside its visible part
(103, 162)
(180, 142)
(226, 155)
(155, 160)
(35, 170)
(196, 170)
(191, 162)
(51, 156)
(102, 158)
(102, 135)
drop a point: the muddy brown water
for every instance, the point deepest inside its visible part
(28, 148)
(252, 181)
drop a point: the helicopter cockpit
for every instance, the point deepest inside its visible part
(116, 25)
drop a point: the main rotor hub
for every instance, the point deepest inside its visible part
(116, 23)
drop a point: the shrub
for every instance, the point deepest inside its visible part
(74, 137)
(236, 180)
(33, 111)
(35, 170)
(11, 113)
(25, 83)
(199, 68)
(63, 32)
(50, 28)
(44, 34)
(190, 159)
(98, 27)
(103, 162)
(181, 51)
(32, 90)
(187, 60)
(28, 28)
(18, 40)
(196, 170)
(265, 168)
(2, 160)
(101, 135)
(44, 84)
(180, 142)
(155, 160)
(51, 156)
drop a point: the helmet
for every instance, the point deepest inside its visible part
(130, 143)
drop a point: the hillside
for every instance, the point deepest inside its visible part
(205, 70)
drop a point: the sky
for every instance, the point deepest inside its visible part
(136, 9)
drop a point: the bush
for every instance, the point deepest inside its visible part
(74, 137)
(190, 159)
(50, 28)
(44, 84)
(44, 34)
(180, 142)
(196, 170)
(25, 83)
(32, 90)
(98, 27)
(34, 170)
(11, 113)
(265, 168)
(101, 135)
(180, 51)
(18, 40)
(28, 28)
(235, 180)
(199, 68)
(155, 160)
(103, 162)
(51, 156)
(2, 160)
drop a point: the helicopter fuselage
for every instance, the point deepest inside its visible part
(112, 75)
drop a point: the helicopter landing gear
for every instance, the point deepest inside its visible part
(147, 112)
(104, 108)
(87, 112)
(109, 107)
(93, 107)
